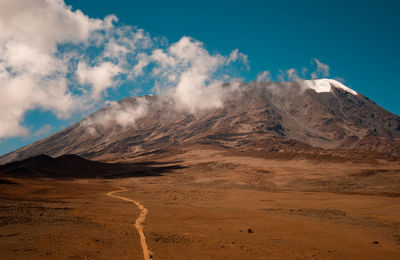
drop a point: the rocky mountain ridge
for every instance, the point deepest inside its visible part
(263, 116)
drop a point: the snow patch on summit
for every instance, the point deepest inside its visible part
(325, 85)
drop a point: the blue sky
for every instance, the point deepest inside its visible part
(358, 40)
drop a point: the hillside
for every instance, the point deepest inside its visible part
(270, 117)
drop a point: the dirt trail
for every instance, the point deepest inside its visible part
(146, 252)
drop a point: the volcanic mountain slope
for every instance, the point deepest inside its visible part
(260, 116)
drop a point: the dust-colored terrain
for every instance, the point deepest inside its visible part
(210, 204)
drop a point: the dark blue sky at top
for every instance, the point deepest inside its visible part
(359, 40)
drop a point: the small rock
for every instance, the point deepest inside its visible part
(250, 231)
(375, 242)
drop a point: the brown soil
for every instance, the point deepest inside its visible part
(295, 209)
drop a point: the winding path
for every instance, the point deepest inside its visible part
(146, 252)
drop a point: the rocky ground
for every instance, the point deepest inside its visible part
(215, 205)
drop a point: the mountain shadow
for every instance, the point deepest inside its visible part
(74, 167)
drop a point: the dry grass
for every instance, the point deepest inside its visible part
(298, 208)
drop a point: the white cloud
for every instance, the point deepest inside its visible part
(292, 74)
(186, 74)
(31, 75)
(238, 56)
(143, 61)
(322, 69)
(34, 65)
(125, 42)
(44, 24)
(263, 76)
(98, 77)
(121, 114)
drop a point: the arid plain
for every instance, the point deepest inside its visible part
(211, 204)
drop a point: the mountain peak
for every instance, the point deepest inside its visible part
(325, 85)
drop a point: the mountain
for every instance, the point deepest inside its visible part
(298, 117)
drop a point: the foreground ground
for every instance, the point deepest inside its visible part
(217, 205)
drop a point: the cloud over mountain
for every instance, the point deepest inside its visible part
(63, 61)
(32, 68)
